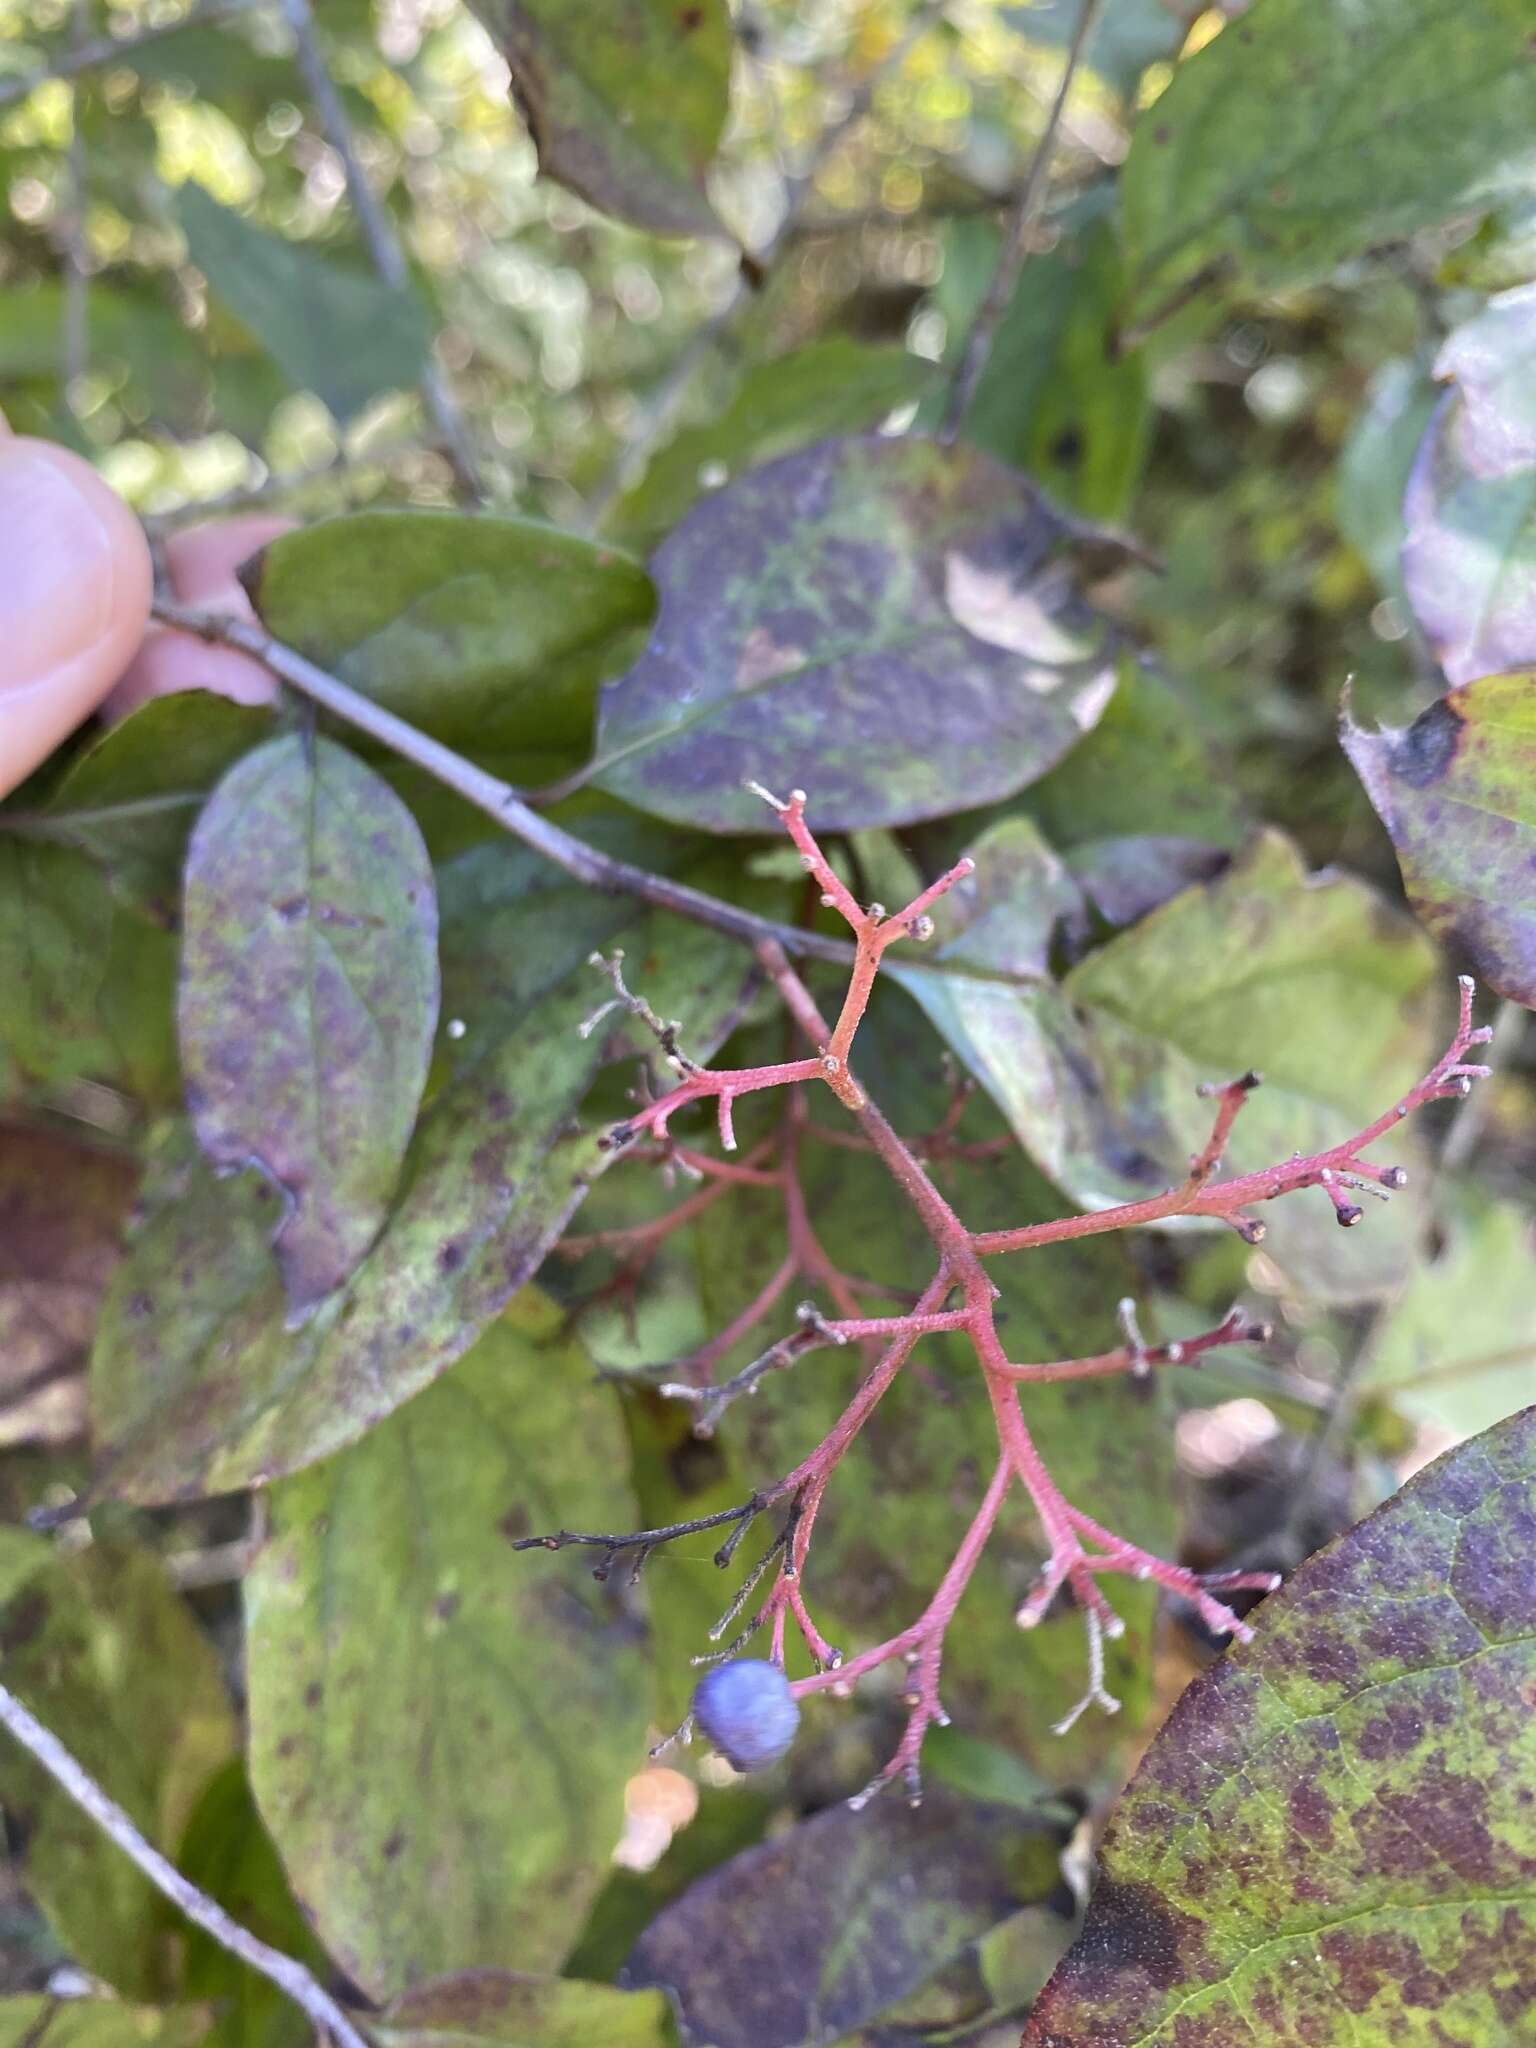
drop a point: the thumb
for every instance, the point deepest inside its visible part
(75, 589)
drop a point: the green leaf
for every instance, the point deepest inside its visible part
(1331, 1840)
(197, 1382)
(62, 1208)
(135, 339)
(1375, 465)
(1310, 130)
(1310, 980)
(55, 927)
(1457, 1348)
(625, 99)
(1457, 792)
(826, 1927)
(524, 2012)
(1469, 555)
(882, 622)
(831, 386)
(342, 334)
(103, 1652)
(1053, 399)
(130, 801)
(308, 1000)
(228, 1854)
(97, 2023)
(491, 634)
(440, 1736)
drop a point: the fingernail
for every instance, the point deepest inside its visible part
(59, 561)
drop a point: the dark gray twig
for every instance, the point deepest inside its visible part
(106, 50)
(1017, 235)
(378, 235)
(328, 2018)
(488, 793)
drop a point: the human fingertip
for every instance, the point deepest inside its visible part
(76, 582)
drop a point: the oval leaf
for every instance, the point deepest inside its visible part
(1457, 792)
(440, 1736)
(1332, 1839)
(198, 1384)
(1310, 130)
(1491, 359)
(490, 634)
(308, 996)
(1469, 553)
(884, 622)
(625, 99)
(822, 1930)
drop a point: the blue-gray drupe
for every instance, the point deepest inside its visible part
(748, 1712)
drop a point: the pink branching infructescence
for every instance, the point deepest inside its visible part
(958, 1300)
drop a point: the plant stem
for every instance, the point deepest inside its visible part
(378, 235)
(1016, 236)
(105, 50)
(497, 799)
(329, 2019)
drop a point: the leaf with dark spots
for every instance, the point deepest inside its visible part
(495, 2006)
(213, 1390)
(491, 634)
(451, 1799)
(62, 1210)
(1469, 552)
(887, 623)
(824, 1928)
(1334, 1850)
(1317, 129)
(625, 100)
(1457, 792)
(308, 998)
(102, 1651)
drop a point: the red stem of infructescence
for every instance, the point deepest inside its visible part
(1079, 1550)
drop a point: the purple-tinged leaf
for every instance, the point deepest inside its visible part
(308, 998)
(820, 1931)
(889, 624)
(1491, 359)
(1469, 555)
(1332, 1840)
(1457, 792)
(198, 1385)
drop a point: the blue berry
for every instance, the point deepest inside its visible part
(748, 1712)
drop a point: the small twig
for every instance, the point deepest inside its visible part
(378, 235)
(75, 331)
(660, 409)
(328, 2018)
(1016, 236)
(106, 50)
(1466, 1126)
(499, 800)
